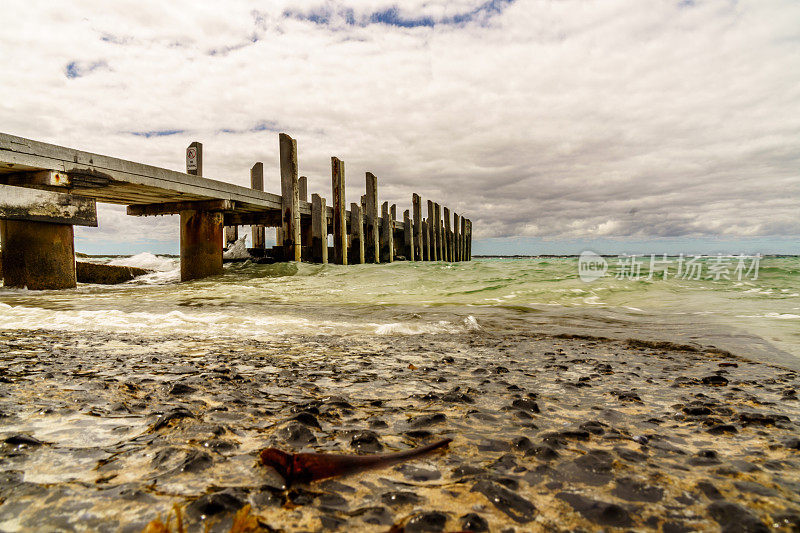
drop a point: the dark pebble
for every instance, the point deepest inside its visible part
(719, 429)
(636, 491)
(474, 522)
(428, 521)
(427, 420)
(181, 388)
(735, 518)
(526, 404)
(226, 501)
(307, 419)
(414, 473)
(602, 513)
(20, 439)
(297, 434)
(512, 504)
(715, 381)
(396, 498)
(366, 441)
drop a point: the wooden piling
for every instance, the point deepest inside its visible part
(417, 240)
(408, 236)
(387, 234)
(302, 188)
(448, 236)
(290, 199)
(456, 238)
(339, 212)
(231, 234)
(469, 240)
(431, 246)
(437, 209)
(372, 244)
(426, 244)
(257, 183)
(357, 233)
(319, 229)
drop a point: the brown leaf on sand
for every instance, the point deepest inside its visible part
(243, 522)
(307, 467)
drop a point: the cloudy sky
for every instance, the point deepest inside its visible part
(555, 125)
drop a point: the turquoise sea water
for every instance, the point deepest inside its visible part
(757, 318)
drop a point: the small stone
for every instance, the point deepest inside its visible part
(512, 504)
(715, 381)
(180, 389)
(208, 505)
(599, 512)
(307, 419)
(20, 439)
(297, 435)
(396, 498)
(366, 441)
(474, 522)
(733, 517)
(526, 404)
(719, 429)
(428, 521)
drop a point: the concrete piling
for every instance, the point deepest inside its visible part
(319, 229)
(38, 255)
(339, 214)
(290, 199)
(372, 232)
(201, 244)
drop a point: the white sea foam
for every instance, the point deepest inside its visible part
(238, 250)
(147, 261)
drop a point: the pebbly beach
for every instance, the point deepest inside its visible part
(549, 433)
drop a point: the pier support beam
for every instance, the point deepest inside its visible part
(437, 210)
(38, 255)
(469, 240)
(305, 224)
(463, 237)
(257, 183)
(319, 229)
(387, 234)
(201, 244)
(339, 213)
(372, 245)
(426, 244)
(357, 234)
(290, 194)
(408, 236)
(448, 236)
(416, 205)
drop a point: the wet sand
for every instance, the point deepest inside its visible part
(105, 432)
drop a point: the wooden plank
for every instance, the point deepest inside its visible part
(172, 208)
(41, 179)
(408, 236)
(231, 233)
(18, 203)
(372, 244)
(339, 212)
(416, 205)
(302, 189)
(319, 230)
(448, 236)
(357, 233)
(267, 219)
(290, 199)
(18, 153)
(387, 234)
(257, 183)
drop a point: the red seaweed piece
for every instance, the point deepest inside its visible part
(307, 467)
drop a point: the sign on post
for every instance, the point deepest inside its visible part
(191, 158)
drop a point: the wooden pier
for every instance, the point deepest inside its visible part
(46, 189)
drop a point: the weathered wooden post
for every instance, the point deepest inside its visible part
(448, 237)
(387, 234)
(319, 229)
(257, 183)
(469, 240)
(456, 238)
(372, 244)
(408, 236)
(431, 246)
(357, 233)
(463, 239)
(231, 234)
(439, 233)
(339, 214)
(426, 243)
(290, 196)
(417, 207)
(305, 225)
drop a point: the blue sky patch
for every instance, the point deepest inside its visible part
(156, 133)
(392, 16)
(75, 69)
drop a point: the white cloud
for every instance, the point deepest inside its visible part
(559, 119)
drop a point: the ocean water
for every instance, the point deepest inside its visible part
(755, 318)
